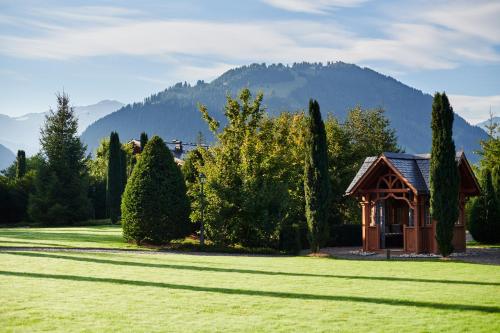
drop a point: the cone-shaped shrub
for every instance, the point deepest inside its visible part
(155, 208)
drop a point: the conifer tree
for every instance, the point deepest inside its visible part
(114, 187)
(21, 164)
(155, 207)
(143, 140)
(61, 183)
(443, 174)
(316, 178)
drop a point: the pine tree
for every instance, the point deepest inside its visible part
(61, 184)
(443, 174)
(21, 164)
(155, 207)
(484, 220)
(114, 187)
(316, 179)
(144, 140)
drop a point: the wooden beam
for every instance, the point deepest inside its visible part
(396, 190)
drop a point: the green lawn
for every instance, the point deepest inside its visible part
(108, 236)
(62, 291)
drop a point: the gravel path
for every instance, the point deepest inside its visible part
(473, 254)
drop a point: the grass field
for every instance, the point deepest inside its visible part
(108, 236)
(63, 291)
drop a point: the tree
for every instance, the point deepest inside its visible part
(61, 181)
(21, 164)
(115, 179)
(484, 211)
(484, 219)
(143, 140)
(98, 169)
(155, 208)
(364, 133)
(246, 195)
(443, 174)
(316, 179)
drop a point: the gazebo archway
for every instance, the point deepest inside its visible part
(392, 210)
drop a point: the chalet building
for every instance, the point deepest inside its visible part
(178, 149)
(393, 190)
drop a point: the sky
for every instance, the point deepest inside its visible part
(128, 50)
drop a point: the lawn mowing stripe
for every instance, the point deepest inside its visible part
(275, 294)
(246, 271)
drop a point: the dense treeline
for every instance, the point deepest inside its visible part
(256, 171)
(257, 178)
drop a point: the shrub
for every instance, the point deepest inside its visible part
(155, 208)
(484, 218)
(345, 235)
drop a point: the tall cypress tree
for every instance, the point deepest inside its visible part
(443, 173)
(114, 187)
(143, 140)
(316, 179)
(21, 164)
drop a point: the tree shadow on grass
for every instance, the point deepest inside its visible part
(25, 241)
(62, 236)
(275, 294)
(246, 271)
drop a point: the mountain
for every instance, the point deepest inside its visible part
(6, 157)
(24, 132)
(338, 87)
(485, 123)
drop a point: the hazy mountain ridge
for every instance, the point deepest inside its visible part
(23, 132)
(6, 157)
(485, 123)
(338, 87)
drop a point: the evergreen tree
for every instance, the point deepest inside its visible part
(443, 174)
(316, 179)
(21, 164)
(155, 207)
(61, 182)
(143, 140)
(114, 187)
(484, 220)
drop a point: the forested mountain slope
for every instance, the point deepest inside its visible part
(338, 87)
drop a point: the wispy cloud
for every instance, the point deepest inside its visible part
(425, 42)
(312, 6)
(475, 109)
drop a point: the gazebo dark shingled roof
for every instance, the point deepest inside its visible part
(415, 168)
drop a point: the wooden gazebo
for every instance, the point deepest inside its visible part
(393, 190)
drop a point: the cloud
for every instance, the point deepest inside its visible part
(424, 43)
(312, 6)
(475, 109)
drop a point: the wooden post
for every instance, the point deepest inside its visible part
(416, 223)
(365, 212)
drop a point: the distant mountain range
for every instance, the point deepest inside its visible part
(24, 132)
(6, 157)
(485, 123)
(338, 87)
